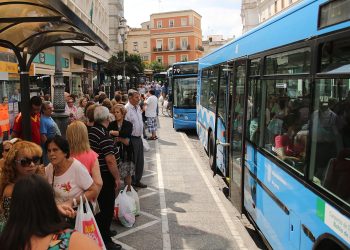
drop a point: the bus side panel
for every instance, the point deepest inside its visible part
(250, 182)
(205, 121)
(269, 214)
(304, 207)
(220, 150)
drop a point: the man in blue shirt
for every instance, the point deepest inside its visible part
(48, 127)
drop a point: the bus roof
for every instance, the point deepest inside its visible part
(189, 62)
(301, 19)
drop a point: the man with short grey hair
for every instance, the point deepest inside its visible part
(134, 115)
(102, 144)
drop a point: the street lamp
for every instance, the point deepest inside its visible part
(123, 31)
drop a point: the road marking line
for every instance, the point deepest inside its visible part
(233, 230)
(135, 229)
(146, 195)
(150, 215)
(152, 189)
(148, 175)
(163, 209)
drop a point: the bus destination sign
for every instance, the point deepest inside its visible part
(185, 69)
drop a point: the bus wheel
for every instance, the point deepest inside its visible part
(211, 147)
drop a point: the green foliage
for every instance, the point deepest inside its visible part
(133, 65)
(113, 67)
(156, 67)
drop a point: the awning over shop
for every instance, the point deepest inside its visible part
(29, 26)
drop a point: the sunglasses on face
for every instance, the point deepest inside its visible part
(6, 149)
(27, 161)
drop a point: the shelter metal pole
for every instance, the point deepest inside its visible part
(25, 104)
(59, 103)
(124, 79)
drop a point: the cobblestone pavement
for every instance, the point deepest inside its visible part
(183, 206)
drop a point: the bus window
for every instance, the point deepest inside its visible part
(330, 151)
(213, 88)
(238, 110)
(286, 120)
(291, 62)
(254, 69)
(222, 95)
(253, 109)
(335, 56)
(204, 96)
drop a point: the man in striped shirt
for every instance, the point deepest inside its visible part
(102, 144)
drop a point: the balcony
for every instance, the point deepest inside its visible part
(157, 49)
(201, 48)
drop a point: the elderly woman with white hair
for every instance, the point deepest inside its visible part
(102, 143)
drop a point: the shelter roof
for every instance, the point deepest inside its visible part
(33, 25)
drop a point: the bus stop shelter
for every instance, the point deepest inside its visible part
(30, 26)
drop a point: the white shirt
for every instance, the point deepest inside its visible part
(151, 108)
(71, 184)
(134, 115)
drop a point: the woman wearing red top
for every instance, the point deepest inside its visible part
(285, 147)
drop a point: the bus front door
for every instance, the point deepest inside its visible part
(236, 135)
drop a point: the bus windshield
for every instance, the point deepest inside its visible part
(185, 91)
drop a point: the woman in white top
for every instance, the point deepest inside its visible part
(68, 177)
(81, 109)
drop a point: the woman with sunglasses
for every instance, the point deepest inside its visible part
(6, 146)
(68, 177)
(23, 159)
(40, 226)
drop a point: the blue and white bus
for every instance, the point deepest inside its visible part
(273, 112)
(184, 92)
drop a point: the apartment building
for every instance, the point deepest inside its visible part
(139, 42)
(116, 13)
(175, 36)
(213, 42)
(254, 12)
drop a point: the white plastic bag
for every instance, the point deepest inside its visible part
(165, 104)
(146, 146)
(126, 211)
(85, 223)
(133, 194)
(161, 100)
(116, 208)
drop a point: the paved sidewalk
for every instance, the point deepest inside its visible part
(182, 208)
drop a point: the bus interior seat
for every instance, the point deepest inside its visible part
(337, 175)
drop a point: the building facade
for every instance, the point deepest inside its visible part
(139, 42)
(212, 42)
(116, 13)
(175, 36)
(254, 12)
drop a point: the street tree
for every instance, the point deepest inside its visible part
(113, 68)
(156, 67)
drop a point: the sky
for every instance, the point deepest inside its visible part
(219, 17)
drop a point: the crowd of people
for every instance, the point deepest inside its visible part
(102, 146)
